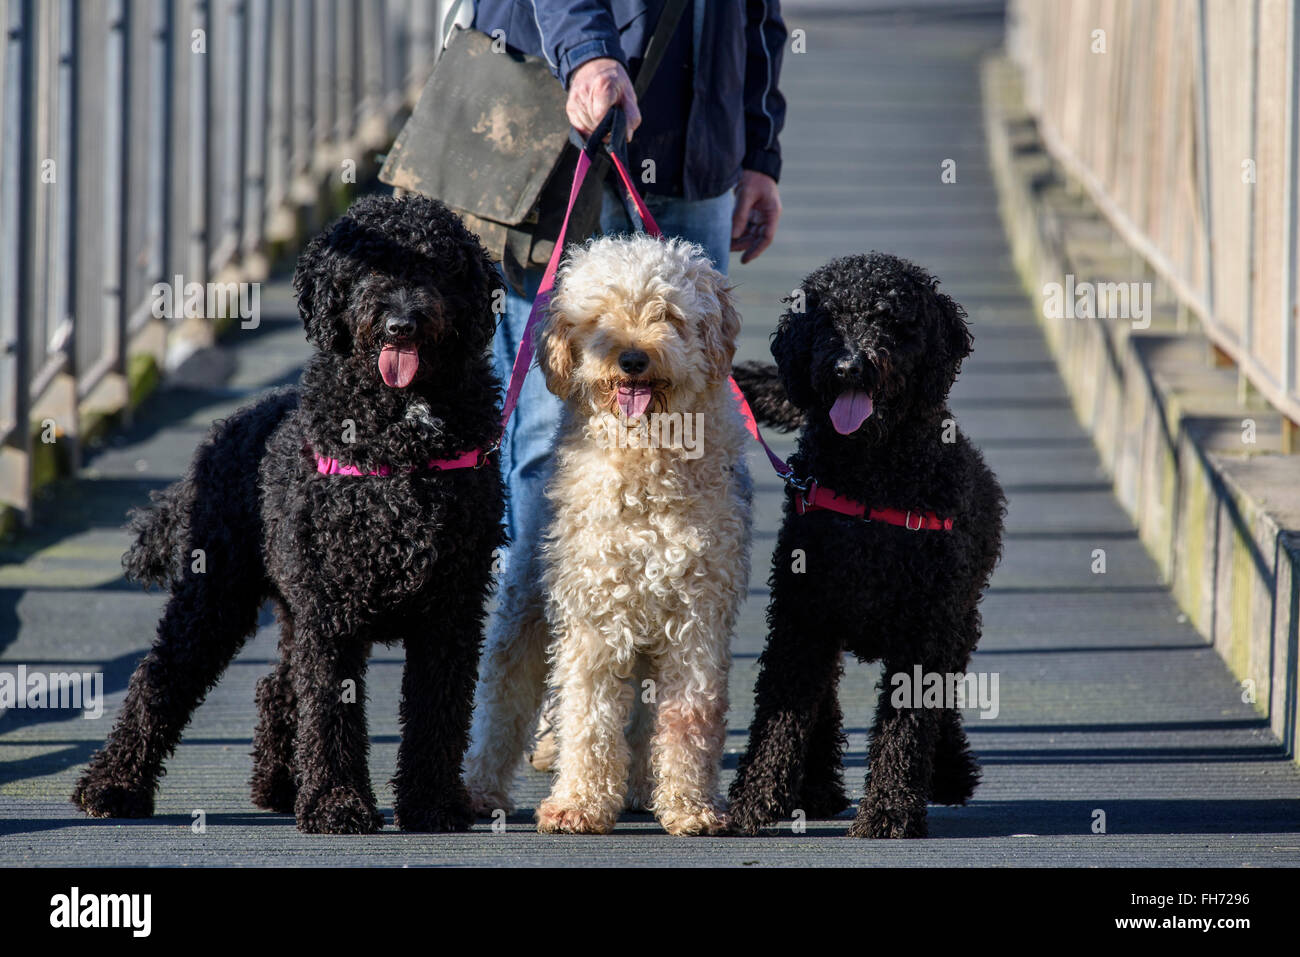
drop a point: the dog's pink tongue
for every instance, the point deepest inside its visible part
(633, 400)
(398, 364)
(850, 410)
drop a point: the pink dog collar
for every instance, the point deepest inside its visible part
(819, 498)
(466, 460)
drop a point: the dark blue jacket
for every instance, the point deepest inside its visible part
(701, 127)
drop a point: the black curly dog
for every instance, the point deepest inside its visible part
(865, 370)
(397, 296)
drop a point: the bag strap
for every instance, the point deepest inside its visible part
(658, 44)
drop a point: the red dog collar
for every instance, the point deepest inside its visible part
(817, 498)
(466, 460)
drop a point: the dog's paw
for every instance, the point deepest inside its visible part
(956, 775)
(748, 817)
(485, 801)
(340, 810)
(108, 799)
(274, 790)
(439, 819)
(880, 820)
(557, 817)
(693, 820)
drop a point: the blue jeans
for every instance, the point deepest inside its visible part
(530, 436)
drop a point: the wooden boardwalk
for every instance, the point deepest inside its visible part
(1108, 700)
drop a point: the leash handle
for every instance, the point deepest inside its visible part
(613, 126)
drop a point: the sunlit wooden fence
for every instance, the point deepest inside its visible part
(144, 139)
(1180, 118)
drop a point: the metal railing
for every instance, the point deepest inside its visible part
(1181, 118)
(144, 139)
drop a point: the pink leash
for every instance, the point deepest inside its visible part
(524, 356)
(751, 424)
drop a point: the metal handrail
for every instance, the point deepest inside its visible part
(145, 139)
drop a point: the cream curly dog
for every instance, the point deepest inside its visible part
(646, 559)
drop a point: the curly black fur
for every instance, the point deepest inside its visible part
(873, 324)
(346, 560)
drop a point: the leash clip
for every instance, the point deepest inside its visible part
(804, 489)
(796, 483)
(484, 454)
(907, 521)
(806, 496)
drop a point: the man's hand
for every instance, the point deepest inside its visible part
(594, 87)
(758, 209)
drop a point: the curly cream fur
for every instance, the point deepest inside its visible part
(646, 558)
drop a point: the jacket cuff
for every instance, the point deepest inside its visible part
(570, 60)
(763, 161)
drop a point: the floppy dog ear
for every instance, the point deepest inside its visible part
(718, 324)
(792, 349)
(951, 339)
(553, 344)
(485, 297)
(956, 333)
(320, 298)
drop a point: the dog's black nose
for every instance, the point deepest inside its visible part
(633, 361)
(400, 327)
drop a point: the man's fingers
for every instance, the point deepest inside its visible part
(586, 115)
(580, 109)
(632, 110)
(577, 119)
(769, 214)
(630, 106)
(763, 239)
(759, 228)
(751, 242)
(604, 96)
(596, 87)
(611, 95)
(740, 217)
